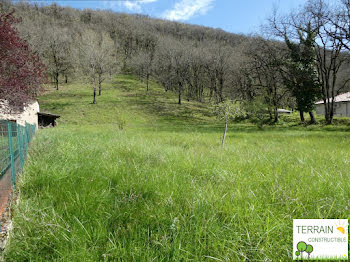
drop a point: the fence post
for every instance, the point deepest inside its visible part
(28, 134)
(20, 144)
(12, 158)
(26, 138)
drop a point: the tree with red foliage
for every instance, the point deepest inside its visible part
(21, 71)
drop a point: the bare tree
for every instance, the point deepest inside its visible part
(197, 77)
(340, 19)
(96, 58)
(55, 47)
(180, 65)
(173, 60)
(227, 111)
(329, 51)
(142, 63)
(219, 65)
(149, 46)
(264, 66)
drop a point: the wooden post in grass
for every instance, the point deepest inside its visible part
(224, 136)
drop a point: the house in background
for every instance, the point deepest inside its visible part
(284, 111)
(29, 114)
(47, 120)
(341, 106)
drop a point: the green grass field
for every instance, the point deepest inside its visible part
(139, 178)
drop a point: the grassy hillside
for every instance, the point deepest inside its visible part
(139, 178)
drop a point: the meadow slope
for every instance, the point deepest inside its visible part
(139, 178)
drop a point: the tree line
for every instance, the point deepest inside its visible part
(298, 59)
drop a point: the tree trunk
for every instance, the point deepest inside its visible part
(326, 115)
(94, 101)
(210, 94)
(270, 114)
(312, 117)
(99, 85)
(56, 79)
(331, 113)
(302, 118)
(147, 79)
(180, 94)
(221, 87)
(276, 116)
(224, 136)
(330, 119)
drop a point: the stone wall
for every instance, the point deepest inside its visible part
(29, 114)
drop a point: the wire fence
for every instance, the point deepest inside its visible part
(14, 143)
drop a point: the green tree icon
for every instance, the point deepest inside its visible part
(309, 250)
(301, 246)
(297, 253)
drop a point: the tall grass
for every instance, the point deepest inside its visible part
(162, 189)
